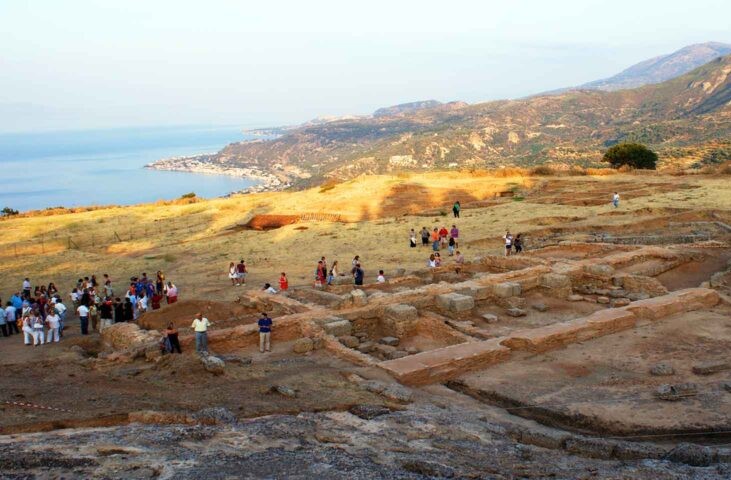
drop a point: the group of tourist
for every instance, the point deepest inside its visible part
(439, 238)
(200, 326)
(40, 313)
(513, 243)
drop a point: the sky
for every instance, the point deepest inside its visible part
(77, 64)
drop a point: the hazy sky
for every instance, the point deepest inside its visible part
(98, 63)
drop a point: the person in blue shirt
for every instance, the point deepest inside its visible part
(358, 274)
(265, 331)
(17, 302)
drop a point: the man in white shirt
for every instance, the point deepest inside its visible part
(615, 199)
(83, 312)
(3, 323)
(54, 323)
(11, 319)
(26, 288)
(200, 325)
(60, 309)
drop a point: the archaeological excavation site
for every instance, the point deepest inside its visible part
(597, 353)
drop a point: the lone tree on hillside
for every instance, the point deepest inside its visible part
(631, 154)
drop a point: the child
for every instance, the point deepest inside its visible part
(283, 282)
(268, 288)
(458, 261)
(452, 245)
(381, 278)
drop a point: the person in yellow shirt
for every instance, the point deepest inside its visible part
(200, 326)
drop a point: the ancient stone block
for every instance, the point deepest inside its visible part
(358, 298)
(302, 345)
(574, 298)
(399, 319)
(392, 341)
(366, 347)
(599, 270)
(446, 363)
(619, 302)
(675, 302)
(455, 305)
(516, 312)
(540, 307)
(397, 354)
(555, 280)
(709, 368)
(602, 300)
(490, 318)
(338, 328)
(349, 341)
(673, 393)
(662, 369)
(506, 289)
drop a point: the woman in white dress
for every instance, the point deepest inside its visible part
(232, 273)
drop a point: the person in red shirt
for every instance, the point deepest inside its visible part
(443, 234)
(283, 282)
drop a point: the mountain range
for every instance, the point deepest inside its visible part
(686, 119)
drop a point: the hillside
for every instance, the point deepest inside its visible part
(685, 119)
(662, 68)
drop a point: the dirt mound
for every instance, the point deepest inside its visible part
(182, 313)
(270, 222)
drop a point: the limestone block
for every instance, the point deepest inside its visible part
(709, 368)
(303, 345)
(446, 363)
(599, 270)
(393, 341)
(619, 302)
(338, 328)
(399, 319)
(349, 341)
(507, 289)
(455, 305)
(358, 298)
(680, 301)
(555, 281)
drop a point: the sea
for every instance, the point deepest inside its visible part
(106, 167)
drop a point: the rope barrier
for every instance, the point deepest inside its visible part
(34, 405)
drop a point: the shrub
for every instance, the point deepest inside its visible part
(7, 211)
(633, 155)
(188, 195)
(542, 171)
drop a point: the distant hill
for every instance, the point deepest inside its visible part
(406, 108)
(687, 120)
(662, 68)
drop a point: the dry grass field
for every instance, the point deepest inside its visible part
(194, 242)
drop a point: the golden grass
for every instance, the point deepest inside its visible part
(193, 242)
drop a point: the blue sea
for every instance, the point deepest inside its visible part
(100, 167)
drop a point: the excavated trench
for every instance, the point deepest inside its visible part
(587, 425)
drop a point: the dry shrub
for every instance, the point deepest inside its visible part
(600, 172)
(577, 171)
(543, 171)
(625, 169)
(328, 185)
(722, 169)
(507, 172)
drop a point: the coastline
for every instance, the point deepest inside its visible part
(200, 164)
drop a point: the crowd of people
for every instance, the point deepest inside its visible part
(40, 312)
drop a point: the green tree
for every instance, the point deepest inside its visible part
(7, 211)
(634, 155)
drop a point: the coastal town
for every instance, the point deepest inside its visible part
(202, 164)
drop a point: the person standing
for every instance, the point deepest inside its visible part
(283, 282)
(518, 243)
(27, 329)
(171, 335)
(94, 317)
(118, 310)
(443, 234)
(108, 290)
(435, 240)
(37, 322)
(3, 322)
(508, 243)
(26, 288)
(265, 332)
(412, 238)
(319, 275)
(456, 208)
(452, 244)
(358, 274)
(171, 293)
(424, 237)
(54, 324)
(83, 312)
(60, 309)
(106, 312)
(332, 273)
(454, 233)
(232, 273)
(128, 310)
(200, 326)
(241, 272)
(11, 318)
(615, 199)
